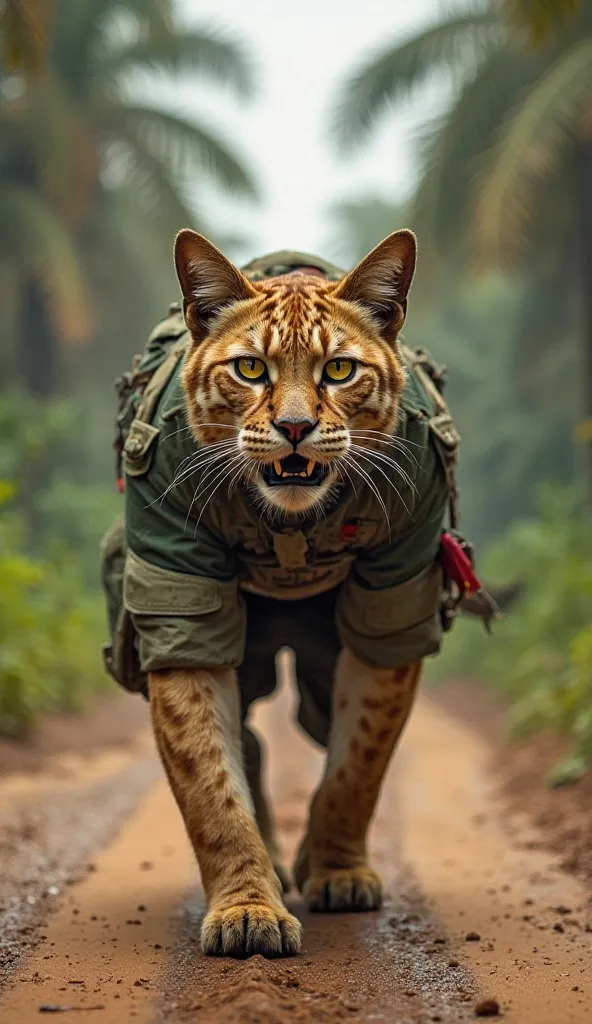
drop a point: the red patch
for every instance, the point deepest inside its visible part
(349, 532)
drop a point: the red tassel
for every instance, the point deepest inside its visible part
(120, 484)
(457, 566)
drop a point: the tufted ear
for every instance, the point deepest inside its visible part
(380, 283)
(208, 280)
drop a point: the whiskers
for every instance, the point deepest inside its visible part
(400, 444)
(378, 461)
(198, 460)
(234, 469)
(222, 466)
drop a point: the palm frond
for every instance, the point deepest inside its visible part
(77, 30)
(536, 136)
(180, 144)
(155, 189)
(221, 59)
(391, 75)
(33, 237)
(458, 143)
(84, 30)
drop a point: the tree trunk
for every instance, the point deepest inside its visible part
(584, 227)
(40, 351)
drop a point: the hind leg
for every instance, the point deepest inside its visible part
(253, 770)
(370, 708)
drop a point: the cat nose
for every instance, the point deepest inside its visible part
(295, 430)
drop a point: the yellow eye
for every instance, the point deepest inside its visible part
(339, 370)
(251, 369)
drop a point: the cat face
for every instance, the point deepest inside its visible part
(292, 383)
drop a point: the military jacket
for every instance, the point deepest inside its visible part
(192, 551)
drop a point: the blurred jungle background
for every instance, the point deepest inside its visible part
(322, 127)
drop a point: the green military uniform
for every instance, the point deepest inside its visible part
(213, 583)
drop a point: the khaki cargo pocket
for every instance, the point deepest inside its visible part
(150, 590)
(392, 627)
(388, 611)
(183, 621)
(139, 447)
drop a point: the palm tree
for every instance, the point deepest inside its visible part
(512, 119)
(515, 141)
(93, 177)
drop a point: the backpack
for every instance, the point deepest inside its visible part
(138, 392)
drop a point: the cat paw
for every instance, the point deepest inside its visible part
(350, 889)
(250, 928)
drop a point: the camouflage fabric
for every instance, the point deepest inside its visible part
(195, 569)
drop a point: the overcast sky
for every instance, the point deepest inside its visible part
(303, 50)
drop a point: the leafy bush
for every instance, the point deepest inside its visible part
(52, 615)
(541, 655)
(51, 630)
(47, 451)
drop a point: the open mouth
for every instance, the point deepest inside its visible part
(294, 471)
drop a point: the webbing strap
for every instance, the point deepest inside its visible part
(443, 430)
(159, 381)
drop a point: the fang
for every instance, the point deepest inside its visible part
(278, 468)
(309, 467)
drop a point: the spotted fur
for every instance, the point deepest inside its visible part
(295, 324)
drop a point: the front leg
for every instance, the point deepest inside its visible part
(370, 708)
(196, 719)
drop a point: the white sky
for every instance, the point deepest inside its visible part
(303, 50)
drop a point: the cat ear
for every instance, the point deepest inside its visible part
(208, 280)
(380, 283)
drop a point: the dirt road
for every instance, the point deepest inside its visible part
(474, 913)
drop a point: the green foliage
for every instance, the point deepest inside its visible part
(44, 449)
(541, 654)
(50, 626)
(513, 406)
(52, 616)
(93, 185)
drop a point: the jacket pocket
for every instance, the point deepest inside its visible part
(138, 449)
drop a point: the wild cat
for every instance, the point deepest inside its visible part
(288, 469)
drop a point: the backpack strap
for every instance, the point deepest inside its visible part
(159, 381)
(445, 436)
(139, 390)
